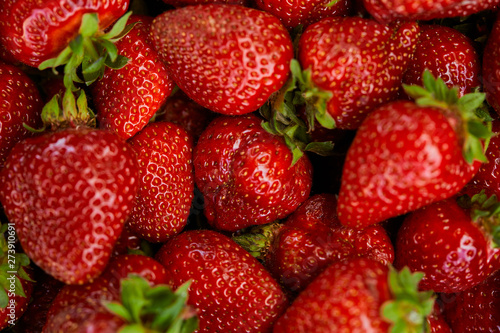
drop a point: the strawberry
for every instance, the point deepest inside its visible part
(69, 191)
(358, 295)
(386, 11)
(293, 13)
(164, 156)
(232, 291)
(407, 155)
(352, 65)
(452, 245)
(448, 54)
(183, 3)
(476, 309)
(227, 58)
(491, 67)
(247, 175)
(21, 104)
(436, 320)
(311, 238)
(127, 98)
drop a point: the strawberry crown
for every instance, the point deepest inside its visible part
(257, 240)
(153, 309)
(475, 121)
(409, 308)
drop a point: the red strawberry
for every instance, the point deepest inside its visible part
(448, 243)
(35, 31)
(491, 67)
(20, 104)
(385, 10)
(231, 290)
(127, 98)
(358, 295)
(69, 193)
(476, 309)
(227, 58)
(351, 66)
(293, 13)
(246, 174)
(447, 54)
(164, 156)
(312, 238)
(407, 155)
(437, 322)
(183, 3)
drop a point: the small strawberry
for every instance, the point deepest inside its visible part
(227, 58)
(452, 245)
(359, 295)
(232, 291)
(20, 104)
(407, 155)
(247, 175)
(127, 98)
(311, 239)
(164, 156)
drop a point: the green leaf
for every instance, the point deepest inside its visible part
(332, 3)
(321, 148)
(133, 296)
(19, 290)
(133, 328)
(90, 25)
(120, 28)
(4, 298)
(119, 63)
(119, 310)
(471, 101)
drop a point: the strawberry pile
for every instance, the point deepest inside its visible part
(249, 166)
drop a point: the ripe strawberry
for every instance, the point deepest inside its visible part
(386, 11)
(35, 31)
(452, 245)
(127, 98)
(69, 192)
(311, 239)
(351, 66)
(246, 174)
(20, 104)
(448, 54)
(476, 309)
(232, 291)
(164, 156)
(491, 67)
(293, 13)
(436, 321)
(183, 3)
(407, 155)
(227, 58)
(358, 295)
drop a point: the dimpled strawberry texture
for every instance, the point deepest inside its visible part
(227, 58)
(69, 194)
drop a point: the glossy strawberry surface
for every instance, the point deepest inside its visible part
(69, 194)
(227, 58)
(491, 67)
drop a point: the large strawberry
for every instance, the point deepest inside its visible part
(227, 58)
(352, 65)
(491, 66)
(232, 291)
(359, 295)
(164, 156)
(407, 155)
(69, 193)
(247, 176)
(452, 245)
(20, 104)
(127, 98)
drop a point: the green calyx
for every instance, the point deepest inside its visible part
(475, 122)
(153, 309)
(409, 309)
(258, 240)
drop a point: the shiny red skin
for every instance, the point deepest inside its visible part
(20, 103)
(293, 13)
(183, 3)
(127, 98)
(69, 193)
(80, 308)
(20, 303)
(424, 10)
(312, 238)
(476, 309)
(232, 291)
(360, 61)
(491, 67)
(166, 181)
(447, 54)
(227, 58)
(37, 30)
(246, 175)
(403, 157)
(436, 321)
(345, 297)
(443, 242)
